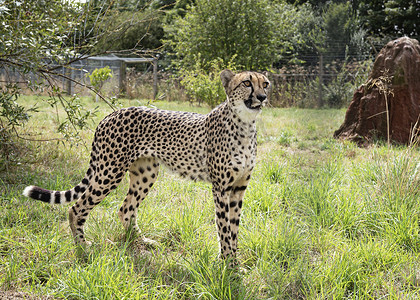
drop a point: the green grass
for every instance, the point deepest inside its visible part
(322, 219)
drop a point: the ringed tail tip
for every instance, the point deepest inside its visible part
(27, 191)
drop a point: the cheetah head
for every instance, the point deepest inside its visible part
(246, 93)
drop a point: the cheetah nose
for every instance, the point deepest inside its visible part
(261, 97)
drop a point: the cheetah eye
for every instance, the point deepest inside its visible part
(247, 83)
(265, 85)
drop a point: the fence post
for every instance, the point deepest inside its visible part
(122, 81)
(155, 87)
(321, 80)
(69, 74)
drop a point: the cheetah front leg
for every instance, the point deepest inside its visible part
(221, 200)
(235, 208)
(228, 204)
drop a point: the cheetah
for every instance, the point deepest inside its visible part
(219, 147)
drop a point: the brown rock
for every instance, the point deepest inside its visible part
(392, 92)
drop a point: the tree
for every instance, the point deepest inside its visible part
(391, 19)
(339, 24)
(131, 31)
(37, 39)
(225, 29)
(334, 32)
(313, 3)
(295, 32)
(98, 77)
(304, 32)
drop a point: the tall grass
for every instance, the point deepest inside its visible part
(322, 219)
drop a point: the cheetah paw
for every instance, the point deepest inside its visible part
(149, 242)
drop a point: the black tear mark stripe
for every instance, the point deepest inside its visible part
(252, 89)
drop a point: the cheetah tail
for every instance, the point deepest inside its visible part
(56, 197)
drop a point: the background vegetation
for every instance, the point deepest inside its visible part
(308, 45)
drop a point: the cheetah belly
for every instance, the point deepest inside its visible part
(177, 140)
(182, 153)
(193, 166)
(242, 165)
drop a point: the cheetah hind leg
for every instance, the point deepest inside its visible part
(143, 174)
(79, 212)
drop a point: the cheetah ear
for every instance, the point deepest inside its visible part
(226, 77)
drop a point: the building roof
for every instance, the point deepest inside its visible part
(131, 60)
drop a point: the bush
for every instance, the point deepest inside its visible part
(12, 115)
(98, 78)
(223, 29)
(37, 40)
(339, 91)
(205, 87)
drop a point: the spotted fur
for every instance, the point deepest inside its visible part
(219, 147)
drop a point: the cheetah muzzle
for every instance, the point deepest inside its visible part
(219, 148)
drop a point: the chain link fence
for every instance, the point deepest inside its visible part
(74, 77)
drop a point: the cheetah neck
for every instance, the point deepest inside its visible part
(243, 113)
(242, 129)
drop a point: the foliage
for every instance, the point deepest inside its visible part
(11, 112)
(339, 91)
(359, 48)
(390, 18)
(99, 76)
(130, 32)
(38, 39)
(294, 25)
(33, 31)
(339, 23)
(225, 29)
(12, 115)
(314, 3)
(120, 5)
(333, 30)
(337, 33)
(384, 19)
(204, 86)
(339, 84)
(36, 36)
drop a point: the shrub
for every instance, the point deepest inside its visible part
(12, 115)
(205, 87)
(223, 29)
(98, 78)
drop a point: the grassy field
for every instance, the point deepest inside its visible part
(322, 219)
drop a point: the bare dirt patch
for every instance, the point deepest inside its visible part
(14, 295)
